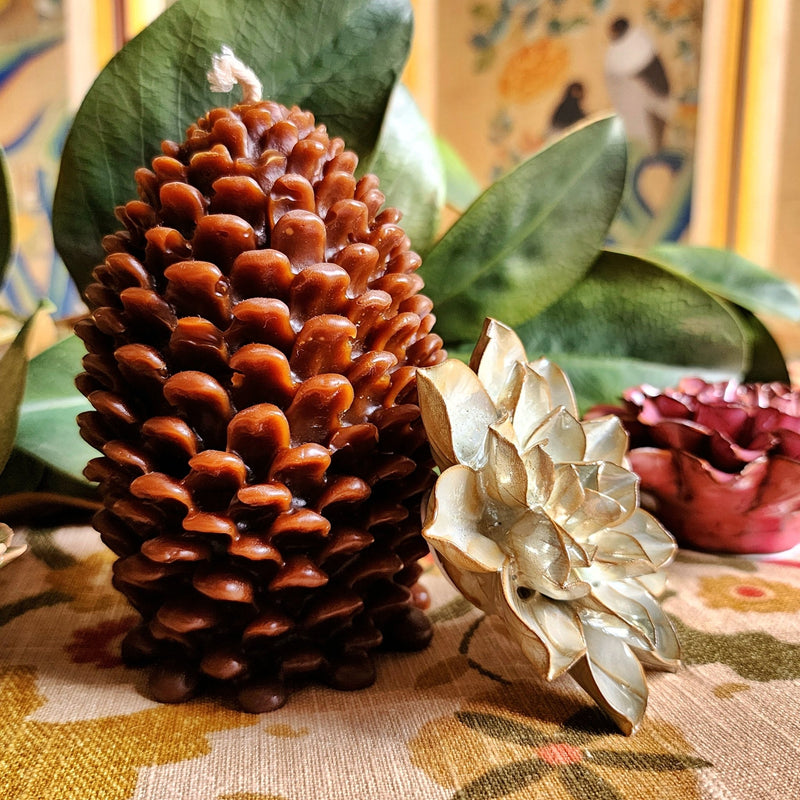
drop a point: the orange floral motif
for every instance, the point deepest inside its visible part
(749, 594)
(93, 645)
(509, 744)
(533, 69)
(679, 9)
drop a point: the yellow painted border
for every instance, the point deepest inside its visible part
(716, 153)
(420, 72)
(140, 13)
(762, 128)
(103, 32)
(93, 34)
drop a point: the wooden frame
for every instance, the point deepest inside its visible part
(96, 29)
(745, 69)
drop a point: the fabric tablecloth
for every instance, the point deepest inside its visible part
(463, 719)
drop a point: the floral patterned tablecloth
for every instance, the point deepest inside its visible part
(464, 719)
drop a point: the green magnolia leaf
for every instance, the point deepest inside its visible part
(731, 276)
(13, 370)
(628, 322)
(6, 217)
(766, 360)
(47, 429)
(21, 474)
(461, 187)
(31, 492)
(25, 474)
(529, 237)
(337, 58)
(408, 164)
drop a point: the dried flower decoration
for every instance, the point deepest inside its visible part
(535, 518)
(719, 462)
(7, 552)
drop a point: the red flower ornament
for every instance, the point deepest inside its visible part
(719, 462)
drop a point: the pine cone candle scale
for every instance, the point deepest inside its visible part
(252, 349)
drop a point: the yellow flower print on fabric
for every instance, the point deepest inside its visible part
(97, 758)
(283, 731)
(749, 594)
(250, 796)
(88, 582)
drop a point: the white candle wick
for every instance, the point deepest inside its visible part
(227, 70)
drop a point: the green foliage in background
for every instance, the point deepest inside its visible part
(530, 250)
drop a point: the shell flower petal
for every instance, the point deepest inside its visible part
(666, 654)
(613, 481)
(633, 603)
(617, 603)
(543, 557)
(613, 676)
(541, 478)
(568, 493)
(473, 586)
(597, 513)
(561, 393)
(505, 476)
(659, 545)
(555, 624)
(532, 405)
(497, 353)
(616, 555)
(456, 521)
(595, 614)
(560, 435)
(456, 411)
(606, 439)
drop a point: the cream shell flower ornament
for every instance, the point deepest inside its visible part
(535, 518)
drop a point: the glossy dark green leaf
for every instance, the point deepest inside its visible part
(337, 58)
(529, 237)
(731, 276)
(629, 321)
(408, 164)
(13, 370)
(22, 473)
(461, 187)
(766, 360)
(26, 474)
(6, 217)
(47, 429)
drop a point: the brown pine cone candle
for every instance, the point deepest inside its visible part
(252, 348)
